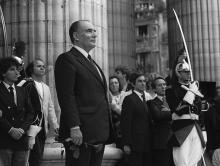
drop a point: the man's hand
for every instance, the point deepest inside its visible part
(76, 135)
(127, 149)
(21, 130)
(16, 133)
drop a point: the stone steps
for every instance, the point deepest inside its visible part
(54, 155)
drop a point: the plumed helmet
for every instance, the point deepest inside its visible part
(20, 61)
(184, 66)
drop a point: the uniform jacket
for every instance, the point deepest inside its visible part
(182, 128)
(82, 96)
(18, 116)
(161, 127)
(42, 104)
(135, 124)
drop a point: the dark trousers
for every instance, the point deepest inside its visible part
(88, 156)
(140, 159)
(10, 157)
(36, 153)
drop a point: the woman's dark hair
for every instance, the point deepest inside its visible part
(5, 64)
(112, 77)
(30, 67)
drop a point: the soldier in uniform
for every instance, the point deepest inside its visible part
(187, 139)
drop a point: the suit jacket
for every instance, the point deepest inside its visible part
(135, 124)
(18, 116)
(42, 105)
(161, 124)
(82, 96)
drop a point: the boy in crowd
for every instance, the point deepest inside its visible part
(135, 124)
(16, 115)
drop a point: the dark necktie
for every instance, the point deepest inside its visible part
(91, 60)
(11, 91)
(143, 97)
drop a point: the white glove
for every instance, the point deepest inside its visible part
(190, 95)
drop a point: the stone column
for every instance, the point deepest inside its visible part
(121, 33)
(44, 26)
(200, 21)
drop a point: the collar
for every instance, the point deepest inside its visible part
(160, 97)
(139, 94)
(81, 50)
(7, 86)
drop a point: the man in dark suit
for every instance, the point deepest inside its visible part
(161, 128)
(16, 115)
(135, 124)
(82, 95)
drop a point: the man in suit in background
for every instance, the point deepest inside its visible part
(135, 124)
(16, 115)
(42, 103)
(161, 128)
(82, 95)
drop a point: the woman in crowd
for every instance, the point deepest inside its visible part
(116, 96)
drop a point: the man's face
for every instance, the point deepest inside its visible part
(160, 87)
(140, 84)
(39, 68)
(120, 75)
(11, 75)
(185, 76)
(86, 36)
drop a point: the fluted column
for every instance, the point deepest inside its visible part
(44, 26)
(200, 21)
(121, 32)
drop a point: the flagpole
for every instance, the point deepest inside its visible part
(4, 32)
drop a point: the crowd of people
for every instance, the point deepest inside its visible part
(26, 110)
(152, 123)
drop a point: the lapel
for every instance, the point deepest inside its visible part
(5, 96)
(158, 101)
(103, 76)
(161, 103)
(18, 95)
(90, 67)
(141, 104)
(41, 96)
